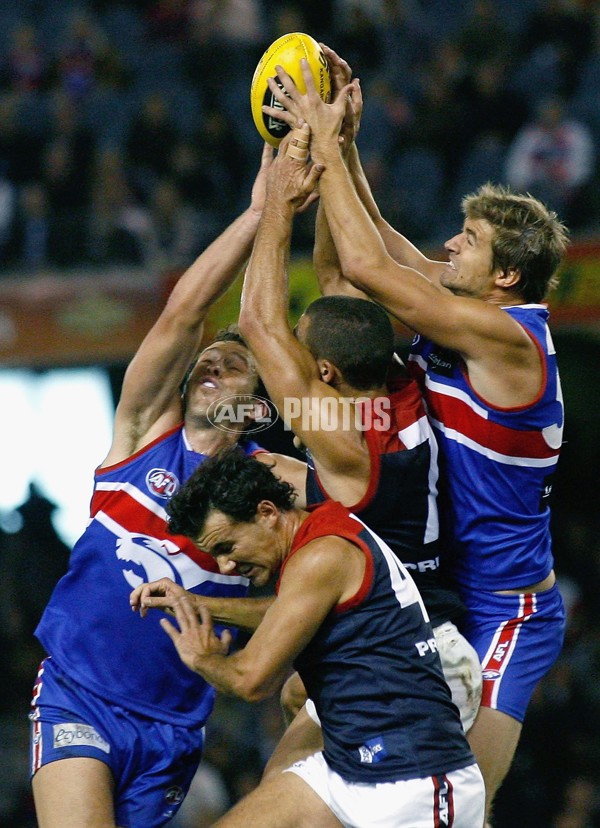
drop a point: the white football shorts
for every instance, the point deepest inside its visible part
(452, 800)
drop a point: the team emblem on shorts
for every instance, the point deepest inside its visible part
(442, 802)
(174, 795)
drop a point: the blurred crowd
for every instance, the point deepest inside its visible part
(126, 138)
(126, 134)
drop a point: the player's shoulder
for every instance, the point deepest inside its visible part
(320, 560)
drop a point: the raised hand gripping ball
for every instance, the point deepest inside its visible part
(287, 51)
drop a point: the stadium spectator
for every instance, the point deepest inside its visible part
(170, 231)
(149, 140)
(20, 151)
(560, 35)
(25, 66)
(484, 36)
(83, 50)
(66, 175)
(225, 27)
(32, 237)
(115, 215)
(68, 201)
(491, 107)
(168, 20)
(553, 157)
(197, 176)
(437, 105)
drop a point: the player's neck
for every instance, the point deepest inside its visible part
(290, 523)
(209, 440)
(349, 392)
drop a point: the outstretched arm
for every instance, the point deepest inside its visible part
(326, 261)
(150, 401)
(289, 371)
(397, 245)
(325, 257)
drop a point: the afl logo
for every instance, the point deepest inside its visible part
(490, 675)
(162, 483)
(249, 413)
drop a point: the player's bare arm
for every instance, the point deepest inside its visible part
(243, 613)
(150, 400)
(294, 379)
(322, 574)
(399, 247)
(290, 469)
(325, 258)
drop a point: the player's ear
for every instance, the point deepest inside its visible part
(327, 370)
(508, 278)
(267, 512)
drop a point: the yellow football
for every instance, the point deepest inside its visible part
(287, 51)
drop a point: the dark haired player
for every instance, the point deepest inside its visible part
(348, 615)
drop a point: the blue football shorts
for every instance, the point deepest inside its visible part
(152, 762)
(518, 639)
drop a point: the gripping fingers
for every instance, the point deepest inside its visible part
(142, 597)
(286, 114)
(291, 90)
(339, 69)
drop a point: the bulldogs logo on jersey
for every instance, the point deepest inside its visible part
(148, 558)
